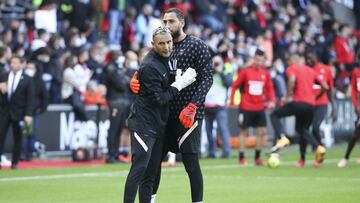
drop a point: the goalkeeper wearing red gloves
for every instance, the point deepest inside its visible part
(183, 128)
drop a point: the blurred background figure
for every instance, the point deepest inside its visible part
(215, 108)
(145, 24)
(256, 96)
(116, 14)
(75, 80)
(16, 106)
(131, 65)
(41, 101)
(117, 84)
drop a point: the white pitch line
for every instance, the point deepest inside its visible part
(123, 173)
(297, 178)
(61, 176)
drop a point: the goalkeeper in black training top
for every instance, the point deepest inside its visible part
(150, 111)
(183, 129)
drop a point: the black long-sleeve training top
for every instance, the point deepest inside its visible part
(150, 110)
(192, 52)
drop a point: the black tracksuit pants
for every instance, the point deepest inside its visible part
(303, 113)
(142, 146)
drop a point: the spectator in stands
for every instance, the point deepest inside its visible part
(19, 51)
(41, 40)
(206, 13)
(4, 67)
(74, 41)
(215, 107)
(344, 50)
(81, 13)
(277, 76)
(12, 10)
(74, 83)
(45, 16)
(357, 13)
(144, 25)
(96, 64)
(82, 68)
(128, 30)
(265, 43)
(116, 14)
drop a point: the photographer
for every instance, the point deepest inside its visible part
(215, 107)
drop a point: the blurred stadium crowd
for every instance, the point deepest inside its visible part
(88, 35)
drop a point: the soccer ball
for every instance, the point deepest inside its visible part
(274, 160)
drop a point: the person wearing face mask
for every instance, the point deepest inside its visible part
(96, 64)
(49, 72)
(215, 107)
(130, 65)
(41, 40)
(41, 101)
(117, 84)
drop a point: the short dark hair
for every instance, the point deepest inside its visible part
(41, 32)
(43, 51)
(259, 52)
(21, 59)
(177, 11)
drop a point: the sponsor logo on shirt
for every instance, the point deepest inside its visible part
(256, 87)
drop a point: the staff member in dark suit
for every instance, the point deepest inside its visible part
(150, 111)
(16, 104)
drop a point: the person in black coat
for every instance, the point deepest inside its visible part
(41, 101)
(16, 105)
(117, 84)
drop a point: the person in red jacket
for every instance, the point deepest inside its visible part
(344, 52)
(258, 87)
(321, 102)
(355, 97)
(299, 101)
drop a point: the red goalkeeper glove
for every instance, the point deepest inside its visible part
(134, 83)
(187, 115)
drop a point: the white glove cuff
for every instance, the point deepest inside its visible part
(177, 85)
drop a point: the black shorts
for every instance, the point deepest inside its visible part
(180, 139)
(252, 118)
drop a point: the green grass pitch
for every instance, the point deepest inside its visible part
(224, 182)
